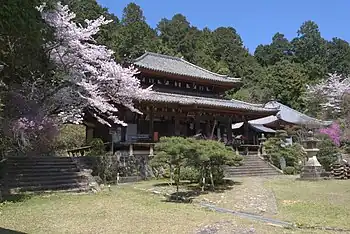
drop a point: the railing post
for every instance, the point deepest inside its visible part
(131, 150)
(151, 150)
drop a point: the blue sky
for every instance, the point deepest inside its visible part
(255, 20)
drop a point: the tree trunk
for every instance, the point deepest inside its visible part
(177, 182)
(171, 174)
(203, 178)
(211, 178)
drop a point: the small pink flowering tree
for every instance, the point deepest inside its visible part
(86, 79)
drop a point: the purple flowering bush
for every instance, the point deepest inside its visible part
(333, 132)
(329, 145)
(34, 135)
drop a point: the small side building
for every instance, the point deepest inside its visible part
(286, 117)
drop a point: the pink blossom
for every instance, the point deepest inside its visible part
(333, 132)
(99, 82)
(333, 89)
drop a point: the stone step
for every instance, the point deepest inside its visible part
(250, 167)
(31, 177)
(41, 171)
(22, 184)
(254, 162)
(40, 167)
(53, 174)
(40, 163)
(251, 175)
(48, 187)
(48, 191)
(245, 171)
(36, 159)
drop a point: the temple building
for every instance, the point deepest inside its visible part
(186, 100)
(286, 117)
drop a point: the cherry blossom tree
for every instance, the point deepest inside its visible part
(332, 90)
(94, 82)
(85, 78)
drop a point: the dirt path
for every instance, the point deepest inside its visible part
(249, 195)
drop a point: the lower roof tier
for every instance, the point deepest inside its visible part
(161, 97)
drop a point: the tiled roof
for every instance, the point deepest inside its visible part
(204, 101)
(293, 116)
(286, 114)
(179, 66)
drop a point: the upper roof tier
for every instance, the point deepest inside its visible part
(179, 66)
(204, 101)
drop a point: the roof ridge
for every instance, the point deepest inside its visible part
(185, 61)
(218, 99)
(305, 115)
(206, 70)
(253, 104)
(157, 54)
(189, 99)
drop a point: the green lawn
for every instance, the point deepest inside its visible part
(128, 209)
(323, 203)
(123, 210)
(319, 203)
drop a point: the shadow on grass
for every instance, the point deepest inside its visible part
(195, 190)
(8, 231)
(165, 184)
(15, 198)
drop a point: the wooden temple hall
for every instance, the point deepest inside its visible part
(186, 100)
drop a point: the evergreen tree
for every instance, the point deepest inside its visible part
(135, 35)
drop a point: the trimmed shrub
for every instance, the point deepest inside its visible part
(328, 153)
(276, 149)
(289, 171)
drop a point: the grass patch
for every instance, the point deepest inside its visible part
(321, 203)
(122, 210)
(125, 209)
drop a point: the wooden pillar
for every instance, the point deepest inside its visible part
(229, 130)
(207, 128)
(89, 134)
(151, 124)
(246, 129)
(218, 130)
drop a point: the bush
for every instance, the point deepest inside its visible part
(207, 157)
(291, 153)
(105, 165)
(289, 171)
(190, 173)
(328, 153)
(70, 136)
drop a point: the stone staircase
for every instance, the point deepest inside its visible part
(43, 174)
(253, 165)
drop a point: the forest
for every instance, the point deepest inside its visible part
(280, 70)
